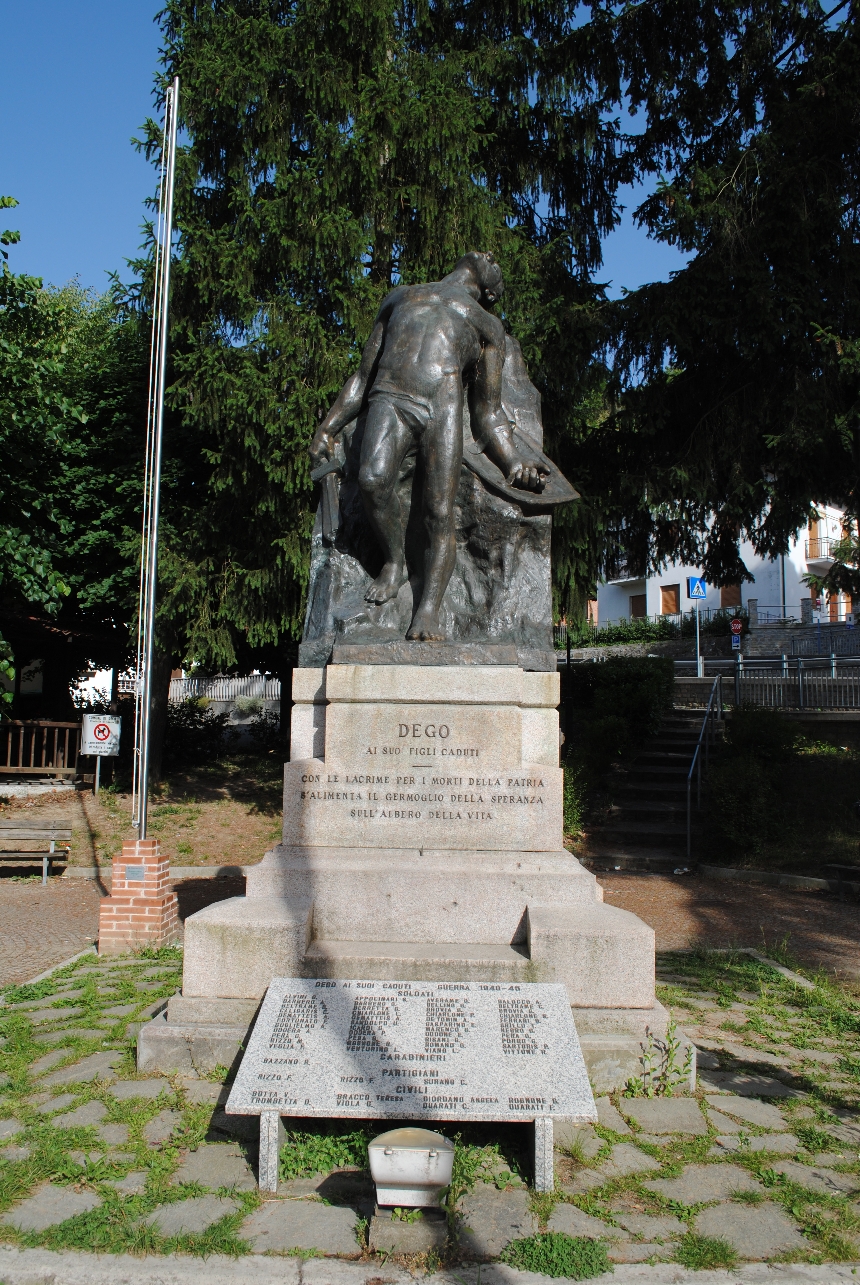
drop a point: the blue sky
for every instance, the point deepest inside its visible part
(76, 85)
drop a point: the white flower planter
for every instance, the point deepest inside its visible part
(410, 1166)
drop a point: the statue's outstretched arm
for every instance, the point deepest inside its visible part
(350, 399)
(492, 429)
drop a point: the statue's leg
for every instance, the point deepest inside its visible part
(386, 441)
(442, 454)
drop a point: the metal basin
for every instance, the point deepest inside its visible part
(410, 1166)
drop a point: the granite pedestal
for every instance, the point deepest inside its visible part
(422, 839)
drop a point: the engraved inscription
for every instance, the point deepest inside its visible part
(298, 1017)
(371, 1016)
(519, 1020)
(446, 1024)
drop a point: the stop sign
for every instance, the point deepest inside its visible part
(737, 625)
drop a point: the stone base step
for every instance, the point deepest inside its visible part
(628, 857)
(408, 961)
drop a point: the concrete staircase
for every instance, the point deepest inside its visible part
(647, 829)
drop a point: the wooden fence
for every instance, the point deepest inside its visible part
(39, 748)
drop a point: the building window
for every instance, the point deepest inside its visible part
(730, 595)
(670, 599)
(638, 606)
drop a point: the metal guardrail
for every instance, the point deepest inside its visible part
(707, 735)
(39, 748)
(260, 686)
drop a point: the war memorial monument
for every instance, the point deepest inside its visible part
(422, 856)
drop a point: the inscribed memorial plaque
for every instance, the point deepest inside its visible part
(406, 1050)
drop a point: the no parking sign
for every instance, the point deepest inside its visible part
(100, 735)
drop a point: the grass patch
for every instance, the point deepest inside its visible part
(552, 1253)
(704, 1253)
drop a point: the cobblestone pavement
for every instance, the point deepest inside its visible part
(762, 1162)
(688, 910)
(42, 926)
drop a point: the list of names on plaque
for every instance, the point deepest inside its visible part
(412, 1050)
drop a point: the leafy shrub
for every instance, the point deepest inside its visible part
(704, 1253)
(639, 690)
(265, 731)
(195, 734)
(744, 804)
(574, 799)
(249, 704)
(765, 733)
(606, 739)
(554, 1253)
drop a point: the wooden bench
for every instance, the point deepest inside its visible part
(48, 833)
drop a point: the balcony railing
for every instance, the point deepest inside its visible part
(819, 547)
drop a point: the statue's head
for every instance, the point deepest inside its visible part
(484, 268)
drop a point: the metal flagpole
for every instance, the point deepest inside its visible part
(152, 467)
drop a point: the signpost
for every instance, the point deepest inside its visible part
(737, 629)
(697, 592)
(100, 737)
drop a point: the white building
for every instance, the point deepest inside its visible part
(777, 589)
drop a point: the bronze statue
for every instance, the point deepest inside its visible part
(432, 538)
(428, 342)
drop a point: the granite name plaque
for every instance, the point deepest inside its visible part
(414, 1050)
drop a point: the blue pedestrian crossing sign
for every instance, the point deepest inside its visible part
(696, 588)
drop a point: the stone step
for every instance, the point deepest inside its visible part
(630, 857)
(668, 758)
(408, 961)
(644, 834)
(648, 809)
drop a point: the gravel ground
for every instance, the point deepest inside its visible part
(687, 910)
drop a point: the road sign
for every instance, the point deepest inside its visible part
(101, 735)
(736, 642)
(737, 625)
(849, 619)
(696, 588)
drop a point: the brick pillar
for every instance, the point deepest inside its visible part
(142, 907)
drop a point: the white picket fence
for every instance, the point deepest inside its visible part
(225, 689)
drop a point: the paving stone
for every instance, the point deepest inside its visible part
(581, 1137)
(206, 1091)
(9, 1127)
(821, 1056)
(96, 1066)
(126, 1089)
(706, 1060)
(827, 1159)
(65, 1038)
(490, 1219)
(758, 1231)
(724, 1123)
(90, 1113)
(781, 1143)
(46, 1103)
(132, 1184)
(398, 1237)
(161, 1126)
(217, 1165)
(847, 1133)
(747, 1086)
(55, 1014)
(699, 1183)
(625, 1159)
(49, 1206)
(632, 1251)
(282, 1225)
(115, 1135)
(666, 1115)
(748, 1109)
(834, 1184)
(652, 1228)
(573, 1222)
(47, 1061)
(119, 1010)
(189, 1217)
(14, 1153)
(585, 1180)
(610, 1117)
(83, 1158)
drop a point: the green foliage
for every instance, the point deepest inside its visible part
(705, 1253)
(662, 1071)
(553, 1253)
(760, 733)
(638, 691)
(574, 799)
(306, 1153)
(195, 734)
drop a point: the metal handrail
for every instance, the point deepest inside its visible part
(706, 735)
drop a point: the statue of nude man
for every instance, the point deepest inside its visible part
(427, 342)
